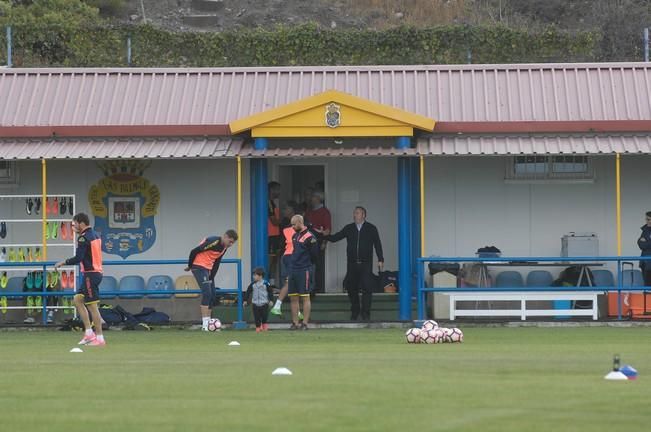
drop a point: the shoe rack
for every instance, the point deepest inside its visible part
(21, 242)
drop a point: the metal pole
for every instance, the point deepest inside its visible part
(239, 206)
(43, 209)
(129, 49)
(404, 278)
(9, 43)
(646, 44)
(618, 204)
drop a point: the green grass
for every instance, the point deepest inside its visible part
(499, 379)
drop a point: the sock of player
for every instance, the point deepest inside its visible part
(205, 321)
(89, 332)
(278, 304)
(100, 338)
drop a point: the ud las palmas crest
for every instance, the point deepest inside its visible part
(124, 204)
(333, 115)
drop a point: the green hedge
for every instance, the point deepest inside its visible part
(74, 45)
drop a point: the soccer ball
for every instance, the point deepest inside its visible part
(214, 325)
(446, 334)
(456, 335)
(429, 336)
(413, 335)
(429, 325)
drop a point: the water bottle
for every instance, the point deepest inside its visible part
(616, 363)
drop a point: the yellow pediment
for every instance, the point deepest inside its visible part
(332, 114)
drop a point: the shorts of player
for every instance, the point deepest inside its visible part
(300, 283)
(206, 284)
(285, 263)
(90, 287)
(275, 242)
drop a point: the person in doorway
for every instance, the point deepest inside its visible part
(288, 232)
(361, 237)
(259, 296)
(204, 262)
(306, 250)
(644, 243)
(89, 256)
(273, 229)
(321, 221)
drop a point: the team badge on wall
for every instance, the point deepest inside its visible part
(124, 204)
(333, 115)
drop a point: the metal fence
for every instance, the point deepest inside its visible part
(620, 286)
(45, 294)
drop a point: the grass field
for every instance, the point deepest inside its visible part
(499, 379)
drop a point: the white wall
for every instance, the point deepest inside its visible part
(366, 181)
(198, 198)
(469, 205)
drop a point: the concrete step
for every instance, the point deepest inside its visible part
(201, 20)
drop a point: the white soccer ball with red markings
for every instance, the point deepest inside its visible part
(429, 325)
(456, 335)
(214, 325)
(413, 335)
(446, 334)
(429, 336)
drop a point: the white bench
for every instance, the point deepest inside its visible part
(523, 298)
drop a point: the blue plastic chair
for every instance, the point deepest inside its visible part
(632, 278)
(509, 279)
(603, 278)
(14, 284)
(131, 283)
(158, 283)
(109, 283)
(539, 279)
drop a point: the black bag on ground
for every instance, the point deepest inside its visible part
(151, 316)
(388, 278)
(570, 277)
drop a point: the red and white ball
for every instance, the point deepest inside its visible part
(214, 325)
(444, 334)
(429, 336)
(413, 335)
(429, 325)
(456, 335)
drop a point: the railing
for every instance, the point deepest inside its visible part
(45, 294)
(522, 262)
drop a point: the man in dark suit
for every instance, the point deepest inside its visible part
(361, 237)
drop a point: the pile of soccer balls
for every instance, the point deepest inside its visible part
(431, 333)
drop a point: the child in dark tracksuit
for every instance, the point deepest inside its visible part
(259, 296)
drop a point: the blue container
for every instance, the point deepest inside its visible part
(562, 304)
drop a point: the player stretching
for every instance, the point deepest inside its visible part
(204, 262)
(89, 256)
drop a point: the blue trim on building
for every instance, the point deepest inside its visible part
(261, 144)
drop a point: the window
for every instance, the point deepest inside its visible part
(8, 173)
(561, 167)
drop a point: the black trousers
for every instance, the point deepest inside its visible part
(646, 273)
(319, 272)
(359, 277)
(260, 314)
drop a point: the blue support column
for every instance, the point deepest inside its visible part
(259, 199)
(415, 221)
(404, 231)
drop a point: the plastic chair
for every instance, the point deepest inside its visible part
(158, 283)
(186, 282)
(14, 284)
(131, 283)
(603, 278)
(632, 278)
(539, 279)
(509, 279)
(109, 283)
